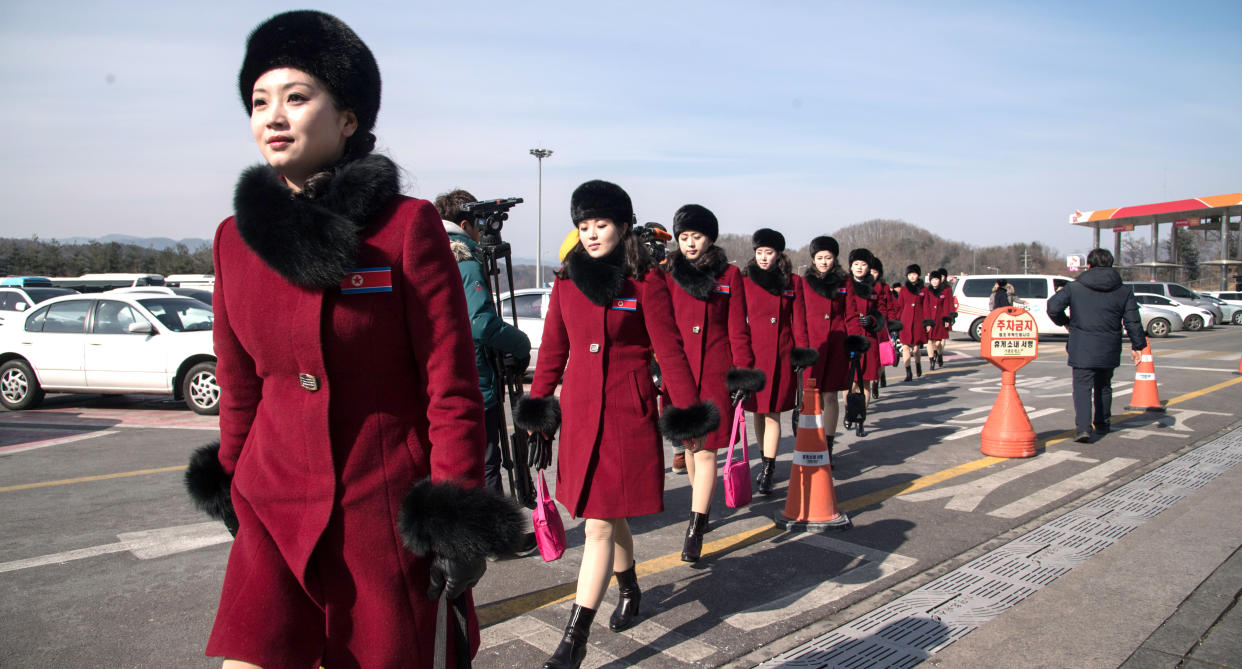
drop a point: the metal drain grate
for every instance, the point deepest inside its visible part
(908, 630)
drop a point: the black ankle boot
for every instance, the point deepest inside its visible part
(763, 482)
(909, 374)
(875, 389)
(573, 645)
(692, 549)
(829, 440)
(627, 603)
(883, 380)
(918, 366)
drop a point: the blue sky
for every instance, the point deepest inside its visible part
(982, 122)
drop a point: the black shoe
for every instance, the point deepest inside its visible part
(918, 366)
(573, 646)
(1083, 437)
(627, 604)
(875, 390)
(763, 482)
(830, 439)
(1103, 429)
(883, 379)
(910, 374)
(692, 549)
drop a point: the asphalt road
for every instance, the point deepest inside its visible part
(107, 564)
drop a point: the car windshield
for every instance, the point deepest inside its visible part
(179, 314)
(40, 294)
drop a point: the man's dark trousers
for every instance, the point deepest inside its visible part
(1089, 382)
(492, 463)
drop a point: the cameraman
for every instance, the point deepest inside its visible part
(486, 327)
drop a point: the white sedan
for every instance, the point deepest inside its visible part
(111, 344)
(1193, 318)
(531, 305)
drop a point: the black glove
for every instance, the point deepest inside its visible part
(539, 451)
(516, 367)
(866, 321)
(454, 577)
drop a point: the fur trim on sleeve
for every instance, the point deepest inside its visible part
(749, 380)
(877, 320)
(803, 357)
(693, 422)
(459, 523)
(538, 414)
(895, 326)
(857, 344)
(929, 322)
(209, 487)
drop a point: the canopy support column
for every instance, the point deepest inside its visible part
(1155, 248)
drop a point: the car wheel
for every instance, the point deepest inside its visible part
(1158, 327)
(1237, 318)
(201, 390)
(19, 389)
(976, 329)
(1193, 323)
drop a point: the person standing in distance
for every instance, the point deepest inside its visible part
(1099, 305)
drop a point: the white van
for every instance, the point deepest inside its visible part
(1033, 290)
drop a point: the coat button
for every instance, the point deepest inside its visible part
(825, 316)
(772, 321)
(695, 329)
(308, 381)
(594, 348)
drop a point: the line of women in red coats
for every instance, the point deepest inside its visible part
(720, 334)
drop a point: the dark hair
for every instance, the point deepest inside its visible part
(1100, 258)
(449, 205)
(637, 259)
(1002, 282)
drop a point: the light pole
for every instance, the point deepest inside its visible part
(539, 155)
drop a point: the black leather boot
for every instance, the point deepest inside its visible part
(829, 440)
(627, 603)
(883, 380)
(918, 366)
(692, 549)
(875, 389)
(573, 645)
(909, 374)
(763, 482)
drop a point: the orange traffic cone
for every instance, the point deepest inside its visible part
(1008, 432)
(1239, 366)
(1145, 396)
(811, 504)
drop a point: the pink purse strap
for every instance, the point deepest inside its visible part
(739, 422)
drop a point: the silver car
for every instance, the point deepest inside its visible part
(1231, 312)
(1159, 322)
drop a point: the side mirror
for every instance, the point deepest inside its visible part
(21, 306)
(142, 327)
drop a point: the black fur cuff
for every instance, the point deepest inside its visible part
(948, 321)
(209, 486)
(857, 344)
(877, 321)
(697, 421)
(749, 380)
(929, 322)
(538, 414)
(459, 523)
(803, 357)
(895, 326)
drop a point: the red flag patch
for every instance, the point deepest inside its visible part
(367, 280)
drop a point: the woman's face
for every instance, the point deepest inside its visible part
(934, 280)
(599, 236)
(859, 269)
(875, 273)
(296, 123)
(912, 276)
(824, 260)
(693, 243)
(765, 257)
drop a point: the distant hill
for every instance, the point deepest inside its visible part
(157, 243)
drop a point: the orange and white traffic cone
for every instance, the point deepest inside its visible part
(1008, 432)
(1146, 397)
(1239, 366)
(811, 503)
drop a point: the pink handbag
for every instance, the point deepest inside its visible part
(736, 474)
(888, 355)
(549, 531)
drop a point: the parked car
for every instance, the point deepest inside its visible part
(1158, 321)
(1231, 312)
(111, 343)
(200, 294)
(1193, 318)
(26, 281)
(531, 305)
(1178, 293)
(16, 300)
(972, 293)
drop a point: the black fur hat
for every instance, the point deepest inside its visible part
(696, 218)
(322, 45)
(944, 273)
(601, 199)
(769, 238)
(863, 255)
(877, 265)
(825, 243)
(914, 269)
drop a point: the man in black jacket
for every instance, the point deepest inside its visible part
(1099, 304)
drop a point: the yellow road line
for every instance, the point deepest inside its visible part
(87, 479)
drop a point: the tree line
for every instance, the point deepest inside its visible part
(36, 257)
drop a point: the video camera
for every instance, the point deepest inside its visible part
(653, 236)
(490, 216)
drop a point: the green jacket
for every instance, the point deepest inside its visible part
(489, 331)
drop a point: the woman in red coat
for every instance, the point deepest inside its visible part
(940, 297)
(338, 394)
(888, 304)
(916, 314)
(709, 304)
(864, 315)
(825, 326)
(774, 311)
(609, 308)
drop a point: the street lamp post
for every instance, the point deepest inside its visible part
(539, 155)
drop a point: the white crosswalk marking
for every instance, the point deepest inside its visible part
(1091, 478)
(675, 645)
(541, 635)
(971, 431)
(144, 545)
(968, 496)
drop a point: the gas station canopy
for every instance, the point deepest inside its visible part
(1163, 212)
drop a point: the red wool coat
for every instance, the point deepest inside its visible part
(940, 309)
(857, 305)
(825, 328)
(335, 401)
(777, 324)
(610, 458)
(715, 338)
(911, 307)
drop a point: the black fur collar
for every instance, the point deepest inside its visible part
(600, 279)
(313, 242)
(865, 288)
(826, 285)
(936, 290)
(698, 277)
(771, 279)
(914, 287)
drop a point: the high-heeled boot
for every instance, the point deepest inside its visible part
(627, 603)
(763, 482)
(573, 646)
(830, 439)
(918, 366)
(692, 549)
(910, 375)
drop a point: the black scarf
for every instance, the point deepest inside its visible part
(865, 288)
(600, 279)
(936, 290)
(771, 279)
(313, 240)
(698, 277)
(825, 285)
(914, 287)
